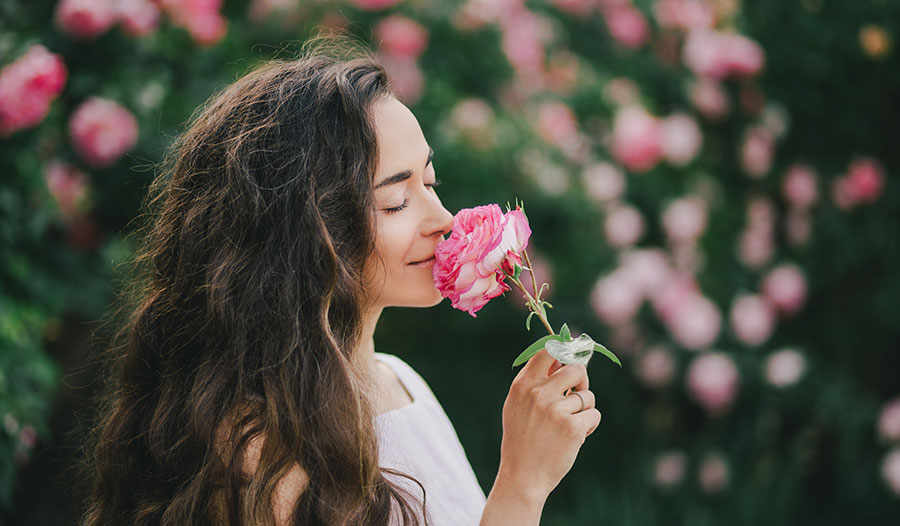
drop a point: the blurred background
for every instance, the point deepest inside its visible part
(712, 187)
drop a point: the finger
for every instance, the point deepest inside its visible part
(569, 375)
(572, 402)
(538, 365)
(590, 419)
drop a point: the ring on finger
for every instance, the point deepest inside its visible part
(582, 401)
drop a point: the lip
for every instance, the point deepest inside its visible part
(427, 263)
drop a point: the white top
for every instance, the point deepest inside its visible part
(419, 440)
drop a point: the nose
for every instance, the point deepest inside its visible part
(442, 221)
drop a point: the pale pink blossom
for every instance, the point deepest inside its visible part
(523, 34)
(798, 227)
(647, 268)
(672, 294)
(713, 473)
(202, 19)
(405, 76)
(775, 117)
(656, 367)
(785, 287)
(709, 97)
(470, 265)
(102, 131)
(669, 468)
(68, 186)
(624, 225)
(85, 18)
(863, 183)
(556, 123)
(621, 91)
(757, 150)
(603, 182)
(696, 325)
(752, 319)
(138, 17)
(681, 138)
(27, 87)
(374, 5)
(615, 298)
(755, 247)
(475, 14)
(627, 25)
(890, 470)
(889, 421)
(684, 219)
(715, 54)
(712, 382)
(473, 118)
(401, 36)
(783, 368)
(684, 14)
(800, 186)
(636, 139)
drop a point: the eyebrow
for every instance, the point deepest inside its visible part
(405, 174)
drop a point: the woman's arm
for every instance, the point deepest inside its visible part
(543, 430)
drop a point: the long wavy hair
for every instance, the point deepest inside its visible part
(246, 310)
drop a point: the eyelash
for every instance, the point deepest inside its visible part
(437, 182)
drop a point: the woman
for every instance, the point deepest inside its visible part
(299, 204)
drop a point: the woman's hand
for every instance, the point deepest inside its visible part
(543, 426)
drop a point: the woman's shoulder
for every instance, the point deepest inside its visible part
(408, 375)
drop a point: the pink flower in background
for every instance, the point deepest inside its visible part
(102, 131)
(755, 247)
(138, 17)
(469, 264)
(684, 219)
(624, 225)
(374, 5)
(757, 150)
(646, 268)
(668, 471)
(201, 18)
(523, 35)
(28, 436)
(684, 14)
(621, 91)
(800, 186)
(863, 183)
(603, 182)
(718, 55)
(400, 36)
(562, 73)
(696, 325)
(709, 97)
(785, 287)
(67, 185)
(405, 76)
(713, 474)
(681, 138)
(473, 118)
(616, 299)
(656, 367)
(85, 18)
(752, 319)
(670, 295)
(556, 123)
(636, 139)
(784, 367)
(890, 470)
(798, 227)
(626, 25)
(712, 381)
(889, 421)
(27, 86)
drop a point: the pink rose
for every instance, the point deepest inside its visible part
(757, 150)
(401, 36)
(85, 18)
(712, 381)
(556, 123)
(656, 367)
(636, 139)
(684, 219)
(681, 138)
(523, 35)
(696, 325)
(201, 18)
(102, 131)
(717, 55)
(624, 225)
(68, 186)
(616, 298)
(752, 319)
(890, 470)
(669, 469)
(684, 14)
(138, 17)
(709, 97)
(405, 75)
(864, 181)
(603, 182)
(889, 421)
(800, 186)
(627, 25)
(469, 265)
(713, 473)
(27, 86)
(784, 367)
(785, 287)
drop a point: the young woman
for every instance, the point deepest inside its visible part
(298, 204)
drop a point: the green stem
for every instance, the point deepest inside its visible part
(534, 306)
(531, 272)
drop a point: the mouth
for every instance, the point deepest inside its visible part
(423, 263)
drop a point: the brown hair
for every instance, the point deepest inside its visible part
(247, 308)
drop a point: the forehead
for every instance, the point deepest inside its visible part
(401, 142)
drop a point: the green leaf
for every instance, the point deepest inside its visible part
(564, 333)
(606, 352)
(534, 348)
(528, 320)
(517, 272)
(547, 303)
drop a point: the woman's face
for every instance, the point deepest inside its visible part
(410, 218)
